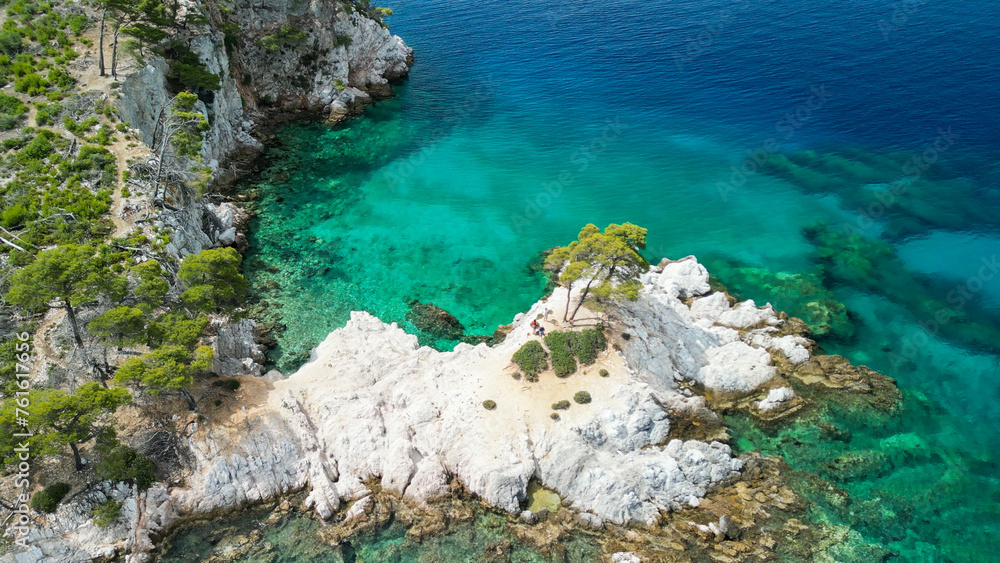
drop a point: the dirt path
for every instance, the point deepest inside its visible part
(124, 219)
(44, 353)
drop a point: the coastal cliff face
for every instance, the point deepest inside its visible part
(275, 58)
(372, 408)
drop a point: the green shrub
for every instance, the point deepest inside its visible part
(11, 43)
(188, 69)
(106, 513)
(49, 498)
(78, 24)
(13, 216)
(230, 384)
(588, 344)
(12, 112)
(61, 79)
(516, 375)
(31, 84)
(560, 405)
(531, 377)
(554, 416)
(581, 397)
(47, 113)
(287, 36)
(218, 402)
(121, 463)
(531, 358)
(563, 361)
(604, 372)
(489, 404)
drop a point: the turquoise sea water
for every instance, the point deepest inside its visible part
(523, 121)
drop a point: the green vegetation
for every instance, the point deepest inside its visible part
(107, 513)
(563, 362)
(48, 499)
(121, 463)
(55, 197)
(230, 384)
(560, 405)
(555, 416)
(188, 69)
(69, 276)
(604, 372)
(608, 264)
(587, 344)
(179, 147)
(144, 22)
(150, 287)
(568, 346)
(489, 404)
(170, 369)
(60, 419)
(212, 280)
(531, 358)
(287, 36)
(122, 325)
(368, 9)
(12, 112)
(582, 397)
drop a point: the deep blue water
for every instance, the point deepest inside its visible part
(878, 119)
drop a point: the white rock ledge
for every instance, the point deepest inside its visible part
(372, 404)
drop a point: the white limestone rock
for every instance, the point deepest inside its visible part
(776, 398)
(736, 366)
(373, 404)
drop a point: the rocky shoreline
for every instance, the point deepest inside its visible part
(374, 422)
(375, 427)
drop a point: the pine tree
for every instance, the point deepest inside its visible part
(608, 264)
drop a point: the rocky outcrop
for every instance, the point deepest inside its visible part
(776, 398)
(236, 351)
(275, 58)
(372, 406)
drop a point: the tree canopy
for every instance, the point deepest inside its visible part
(122, 325)
(608, 264)
(60, 419)
(67, 276)
(212, 279)
(167, 369)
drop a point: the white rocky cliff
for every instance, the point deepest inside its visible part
(372, 404)
(282, 57)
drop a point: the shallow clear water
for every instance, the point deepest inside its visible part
(523, 121)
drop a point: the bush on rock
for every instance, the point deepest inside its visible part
(47, 499)
(531, 358)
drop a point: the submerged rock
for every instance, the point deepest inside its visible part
(435, 321)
